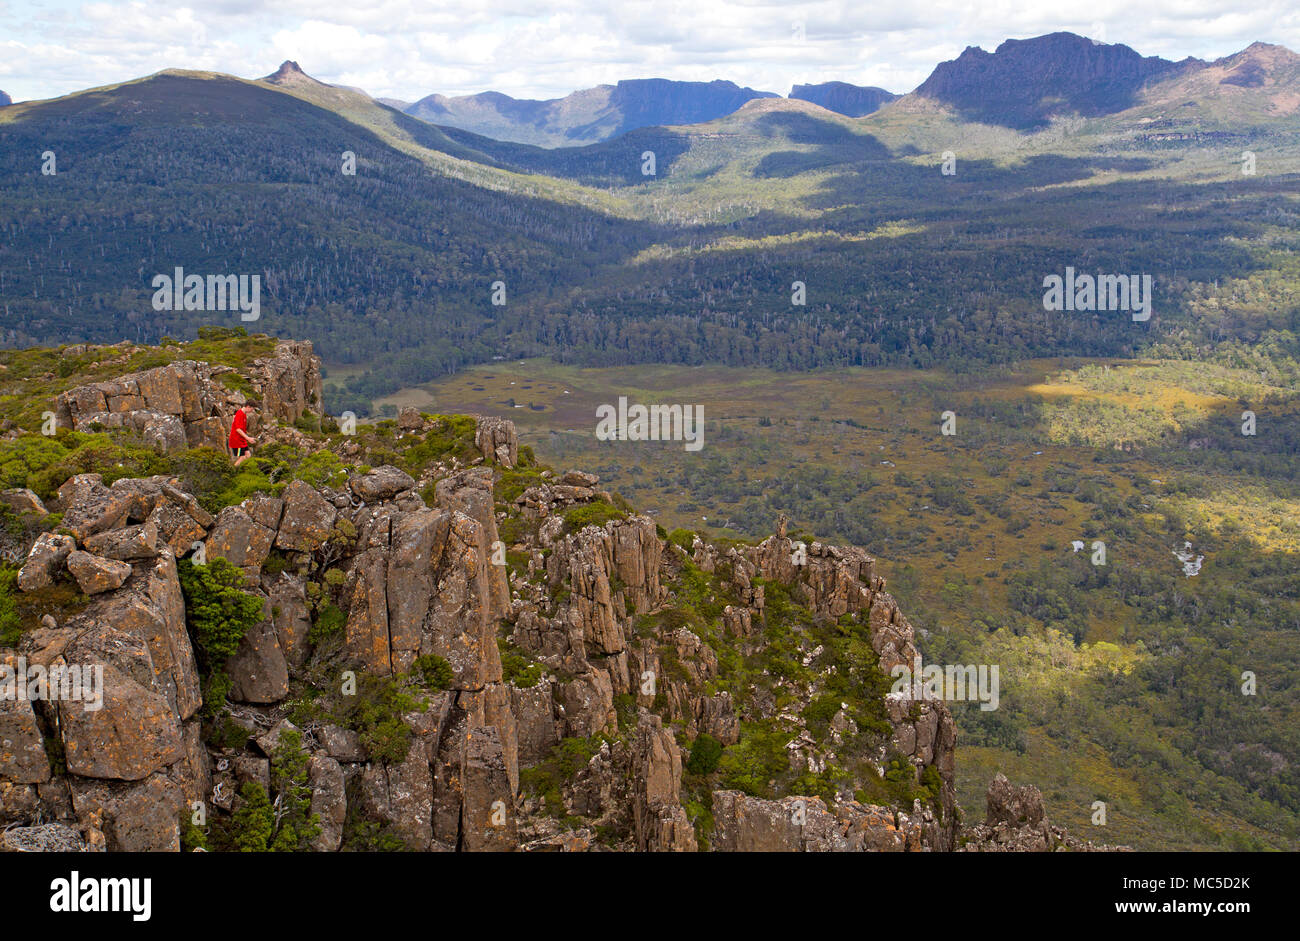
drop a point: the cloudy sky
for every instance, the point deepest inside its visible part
(410, 48)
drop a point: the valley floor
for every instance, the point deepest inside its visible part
(1120, 679)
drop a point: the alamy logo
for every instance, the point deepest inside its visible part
(58, 683)
(653, 423)
(216, 292)
(103, 894)
(952, 683)
(1109, 292)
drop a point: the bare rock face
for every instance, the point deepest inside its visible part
(402, 796)
(258, 670)
(95, 575)
(487, 810)
(421, 587)
(288, 594)
(46, 558)
(805, 825)
(470, 492)
(592, 621)
(328, 802)
(497, 441)
(134, 731)
(534, 713)
(22, 750)
(289, 382)
(308, 519)
(660, 821)
(184, 404)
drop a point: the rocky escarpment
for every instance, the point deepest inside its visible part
(478, 655)
(190, 404)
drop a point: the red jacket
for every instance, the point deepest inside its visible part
(239, 424)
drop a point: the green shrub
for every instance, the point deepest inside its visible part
(296, 826)
(253, 824)
(706, 752)
(219, 613)
(10, 623)
(596, 513)
(375, 713)
(434, 670)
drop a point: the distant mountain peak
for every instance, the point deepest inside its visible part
(1026, 82)
(5, 100)
(289, 73)
(589, 115)
(843, 98)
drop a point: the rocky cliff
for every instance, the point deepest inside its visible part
(466, 652)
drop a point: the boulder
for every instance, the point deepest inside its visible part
(289, 613)
(96, 575)
(23, 502)
(22, 747)
(382, 483)
(134, 731)
(258, 671)
(129, 544)
(48, 554)
(141, 817)
(408, 419)
(308, 518)
(497, 441)
(238, 539)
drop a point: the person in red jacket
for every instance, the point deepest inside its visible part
(241, 442)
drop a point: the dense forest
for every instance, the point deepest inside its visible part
(396, 265)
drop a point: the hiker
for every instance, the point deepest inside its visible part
(241, 442)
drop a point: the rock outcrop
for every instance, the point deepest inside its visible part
(187, 404)
(571, 675)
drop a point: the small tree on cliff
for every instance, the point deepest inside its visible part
(219, 613)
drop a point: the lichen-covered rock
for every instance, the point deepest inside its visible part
(661, 823)
(238, 539)
(308, 519)
(488, 822)
(47, 556)
(534, 713)
(497, 441)
(22, 748)
(46, 838)
(23, 502)
(95, 575)
(133, 731)
(140, 817)
(129, 544)
(258, 670)
(289, 613)
(328, 802)
(151, 607)
(381, 483)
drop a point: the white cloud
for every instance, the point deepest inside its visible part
(411, 48)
